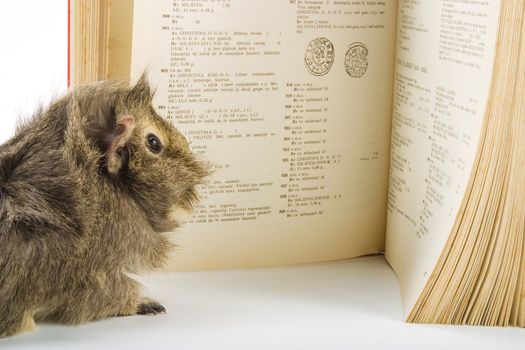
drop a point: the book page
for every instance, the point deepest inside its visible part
(444, 63)
(291, 103)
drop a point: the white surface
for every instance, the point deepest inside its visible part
(340, 305)
(33, 63)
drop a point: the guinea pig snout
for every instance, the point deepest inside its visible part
(180, 214)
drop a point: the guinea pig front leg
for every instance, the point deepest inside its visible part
(150, 307)
(106, 295)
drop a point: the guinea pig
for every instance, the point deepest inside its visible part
(88, 191)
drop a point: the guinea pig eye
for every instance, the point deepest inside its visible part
(153, 143)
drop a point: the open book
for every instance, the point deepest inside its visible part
(339, 129)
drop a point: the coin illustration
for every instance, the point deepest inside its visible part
(356, 60)
(319, 56)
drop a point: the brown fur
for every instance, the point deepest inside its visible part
(83, 202)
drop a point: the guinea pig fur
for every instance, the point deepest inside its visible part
(87, 192)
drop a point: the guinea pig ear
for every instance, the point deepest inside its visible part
(117, 140)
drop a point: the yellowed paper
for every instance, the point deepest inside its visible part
(444, 61)
(291, 102)
(119, 45)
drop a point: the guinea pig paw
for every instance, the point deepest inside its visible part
(150, 307)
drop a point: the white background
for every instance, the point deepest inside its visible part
(33, 57)
(341, 305)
